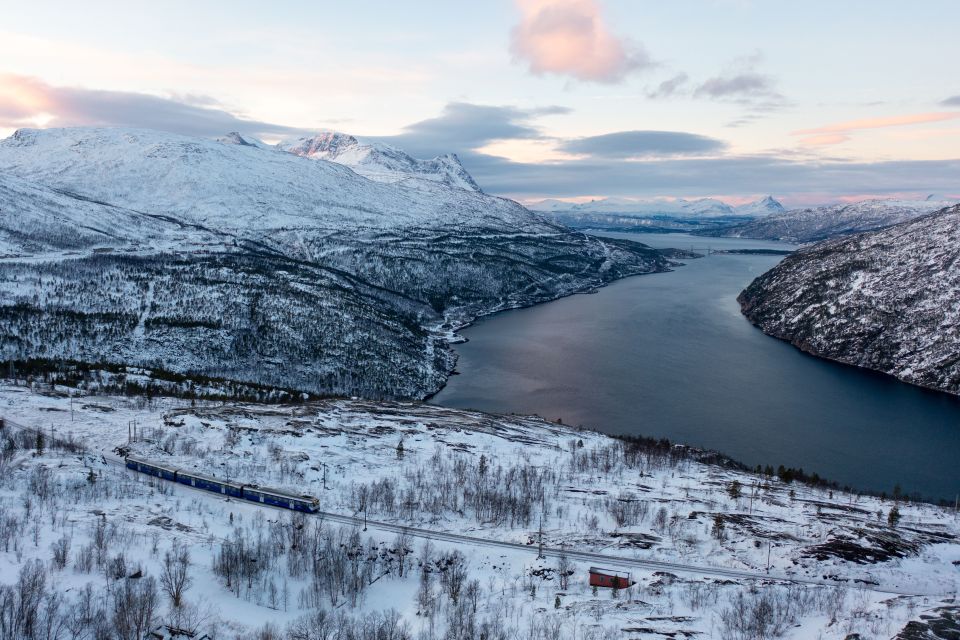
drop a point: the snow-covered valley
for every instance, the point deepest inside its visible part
(825, 563)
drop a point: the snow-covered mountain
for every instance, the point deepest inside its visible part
(766, 206)
(380, 162)
(887, 300)
(820, 223)
(248, 264)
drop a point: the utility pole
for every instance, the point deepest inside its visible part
(324, 476)
(768, 556)
(540, 540)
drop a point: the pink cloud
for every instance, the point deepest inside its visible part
(27, 101)
(570, 37)
(840, 132)
(22, 98)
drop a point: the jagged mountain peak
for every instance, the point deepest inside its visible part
(379, 161)
(323, 144)
(235, 137)
(765, 206)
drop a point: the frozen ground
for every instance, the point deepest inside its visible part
(836, 566)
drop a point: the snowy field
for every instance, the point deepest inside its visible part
(89, 546)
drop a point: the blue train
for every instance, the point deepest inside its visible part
(251, 492)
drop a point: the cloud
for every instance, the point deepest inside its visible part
(952, 101)
(570, 37)
(746, 84)
(794, 178)
(26, 101)
(841, 132)
(464, 126)
(641, 144)
(669, 87)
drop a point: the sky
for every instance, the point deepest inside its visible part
(819, 101)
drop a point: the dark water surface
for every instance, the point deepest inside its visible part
(670, 355)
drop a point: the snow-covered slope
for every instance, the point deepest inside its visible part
(244, 263)
(715, 551)
(236, 185)
(380, 162)
(887, 300)
(820, 223)
(35, 219)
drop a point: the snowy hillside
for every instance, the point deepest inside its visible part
(238, 186)
(820, 223)
(887, 300)
(436, 523)
(379, 161)
(216, 260)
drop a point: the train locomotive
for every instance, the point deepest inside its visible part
(251, 492)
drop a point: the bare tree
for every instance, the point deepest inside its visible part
(453, 574)
(564, 570)
(175, 576)
(134, 608)
(402, 548)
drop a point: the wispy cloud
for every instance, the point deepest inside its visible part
(669, 87)
(745, 84)
(571, 38)
(464, 126)
(841, 132)
(643, 144)
(26, 101)
(952, 101)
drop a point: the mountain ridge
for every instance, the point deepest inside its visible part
(819, 223)
(884, 300)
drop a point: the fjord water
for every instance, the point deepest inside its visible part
(670, 355)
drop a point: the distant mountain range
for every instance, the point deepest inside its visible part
(885, 300)
(230, 267)
(820, 223)
(675, 208)
(658, 215)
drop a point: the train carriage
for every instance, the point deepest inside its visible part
(283, 499)
(166, 472)
(253, 493)
(210, 483)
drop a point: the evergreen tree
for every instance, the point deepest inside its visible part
(894, 516)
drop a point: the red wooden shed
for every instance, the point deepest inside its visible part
(609, 578)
